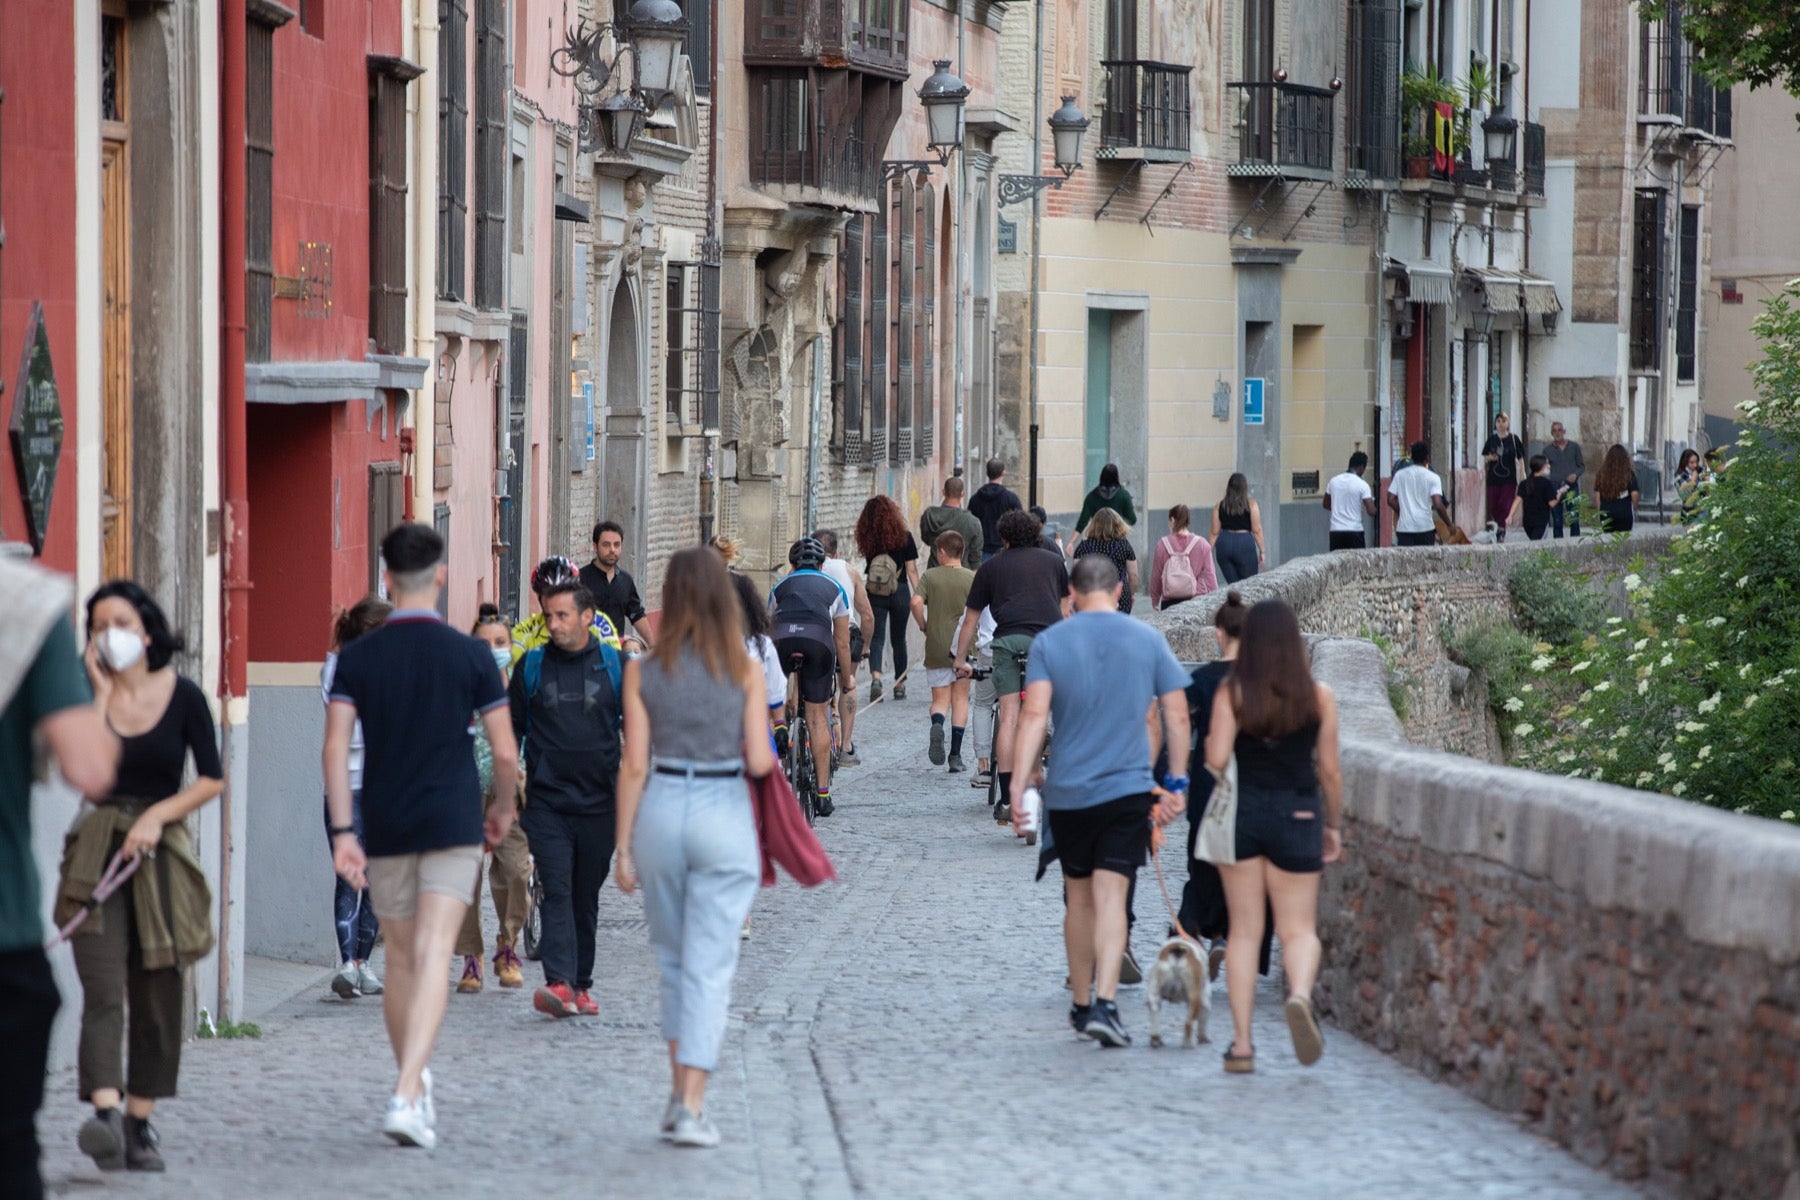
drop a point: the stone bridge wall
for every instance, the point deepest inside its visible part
(1620, 969)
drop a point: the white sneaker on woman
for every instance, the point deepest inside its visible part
(406, 1124)
(693, 1129)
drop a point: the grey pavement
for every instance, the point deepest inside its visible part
(900, 1033)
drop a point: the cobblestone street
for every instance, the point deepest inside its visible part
(899, 1034)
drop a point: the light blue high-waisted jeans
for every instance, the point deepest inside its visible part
(698, 861)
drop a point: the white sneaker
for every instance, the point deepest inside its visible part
(670, 1115)
(694, 1130)
(346, 982)
(406, 1124)
(367, 981)
(425, 1101)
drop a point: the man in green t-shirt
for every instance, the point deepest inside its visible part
(47, 694)
(938, 606)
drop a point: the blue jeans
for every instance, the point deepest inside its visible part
(697, 857)
(356, 923)
(1235, 552)
(1574, 514)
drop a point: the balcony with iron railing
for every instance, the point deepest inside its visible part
(813, 163)
(1147, 112)
(1284, 129)
(1670, 90)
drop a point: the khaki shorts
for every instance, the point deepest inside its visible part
(396, 880)
(1010, 654)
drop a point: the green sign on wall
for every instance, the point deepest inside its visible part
(36, 429)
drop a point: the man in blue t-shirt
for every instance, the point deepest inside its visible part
(1098, 673)
(413, 683)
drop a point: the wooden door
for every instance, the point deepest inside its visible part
(115, 328)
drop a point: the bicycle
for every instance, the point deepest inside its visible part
(799, 767)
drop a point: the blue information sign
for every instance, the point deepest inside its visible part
(1253, 401)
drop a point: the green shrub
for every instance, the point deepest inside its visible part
(1553, 600)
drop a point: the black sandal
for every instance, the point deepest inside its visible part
(1240, 1064)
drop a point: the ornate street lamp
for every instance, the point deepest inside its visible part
(657, 29)
(622, 118)
(1068, 125)
(1499, 133)
(943, 96)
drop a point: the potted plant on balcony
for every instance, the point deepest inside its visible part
(1422, 89)
(1418, 155)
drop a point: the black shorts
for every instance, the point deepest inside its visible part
(1114, 836)
(1267, 828)
(1348, 539)
(817, 669)
(1426, 537)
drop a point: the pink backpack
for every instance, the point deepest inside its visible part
(1178, 581)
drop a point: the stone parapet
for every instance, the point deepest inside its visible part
(1621, 969)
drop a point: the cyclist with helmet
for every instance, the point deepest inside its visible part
(532, 631)
(811, 613)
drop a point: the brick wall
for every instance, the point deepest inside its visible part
(1621, 970)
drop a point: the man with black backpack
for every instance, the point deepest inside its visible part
(567, 706)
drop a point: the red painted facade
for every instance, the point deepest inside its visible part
(310, 462)
(37, 264)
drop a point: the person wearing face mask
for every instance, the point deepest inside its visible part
(132, 950)
(509, 875)
(353, 915)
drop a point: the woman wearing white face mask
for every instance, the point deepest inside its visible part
(509, 875)
(353, 914)
(136, 944)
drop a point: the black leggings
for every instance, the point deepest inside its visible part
(891, 615)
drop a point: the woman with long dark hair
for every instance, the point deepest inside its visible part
(1616, 488)
(1108, 493)
(354, 915)
(696, 719)
(890, 572)
(131, 952)
(1237, 532)
(1282, 725)
(1691, 480)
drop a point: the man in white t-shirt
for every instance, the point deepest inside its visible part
(1416, 495)
(1347, 498)
(861, 617)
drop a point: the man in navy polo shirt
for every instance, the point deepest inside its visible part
(413, 683)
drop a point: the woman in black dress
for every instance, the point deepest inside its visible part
(1616, 487)
(1282, 726)
(132, 951)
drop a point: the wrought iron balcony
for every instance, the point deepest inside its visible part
(1531, 147)
(1284, 129)
(1147, 109)
(1709, 108)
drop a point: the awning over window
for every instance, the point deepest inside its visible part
(1514, 291)
(1426, 282)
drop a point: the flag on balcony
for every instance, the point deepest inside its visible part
(1443, 138)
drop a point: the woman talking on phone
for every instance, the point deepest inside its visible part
(131, 952)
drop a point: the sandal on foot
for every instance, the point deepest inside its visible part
(1309, 1043)
(1240, 1064)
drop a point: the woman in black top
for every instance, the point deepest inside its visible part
(1237, 533)
(1107, 494)
(1616, 487)
(881, 530)
(1282, 726)
(1108, 535)
(161, 719)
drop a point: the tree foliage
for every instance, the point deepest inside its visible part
(1739, 41)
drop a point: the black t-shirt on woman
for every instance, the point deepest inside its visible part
(151, 763)
(1537, 492)
(902, 556)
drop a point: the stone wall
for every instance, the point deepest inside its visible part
(1619, 969)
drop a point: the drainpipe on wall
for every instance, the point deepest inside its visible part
(812, 434)
(1037, 209)
(234, 471)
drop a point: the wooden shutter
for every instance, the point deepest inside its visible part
(906, 268)
(387, 213)
(453, 149)
(927, 307)
(853, 333)
(259, 202)
(387, 506)
(490, 156)
(710, 310)
(878, 336)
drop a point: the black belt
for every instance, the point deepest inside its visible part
(708, 773)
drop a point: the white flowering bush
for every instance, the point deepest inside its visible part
(1696, 690)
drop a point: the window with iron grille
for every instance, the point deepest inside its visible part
(387, 212)
(491, 154)
(681, 345)
(710, 317)
(1372, 104)
(1687, 295)
(699, 42)
(906, 267)
(1647, 250)
(259, 196)
(851, 336)
(453, 149)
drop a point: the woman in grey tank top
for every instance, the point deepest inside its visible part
(695, 719)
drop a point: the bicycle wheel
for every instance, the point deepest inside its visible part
(803, 776)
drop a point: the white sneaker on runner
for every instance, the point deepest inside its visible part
(406, 1124)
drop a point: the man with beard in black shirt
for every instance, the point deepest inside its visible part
(614, 591)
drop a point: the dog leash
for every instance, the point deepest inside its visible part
(1156, 845)
(117, 872)
(886, 692)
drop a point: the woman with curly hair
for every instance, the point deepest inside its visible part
(891, 570)
(1109, 536)
(1616, 487)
